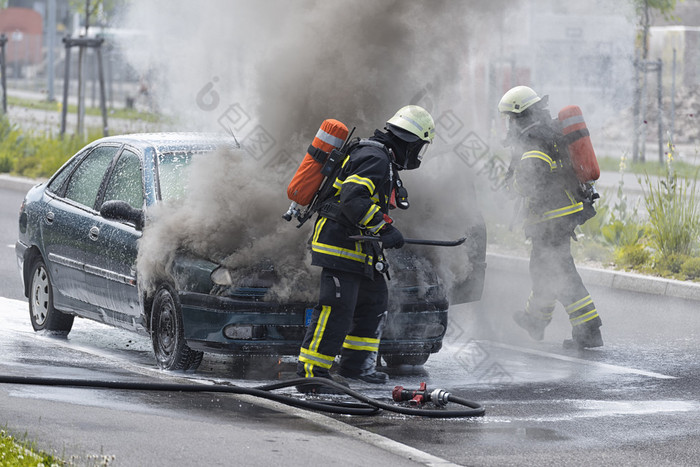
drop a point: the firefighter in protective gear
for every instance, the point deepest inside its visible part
(353, 296)
(553, 208)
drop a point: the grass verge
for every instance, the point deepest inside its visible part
(128, 114)
(21, 454)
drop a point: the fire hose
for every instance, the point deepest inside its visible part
(367, 405)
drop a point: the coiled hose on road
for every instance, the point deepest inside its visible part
(368, 406)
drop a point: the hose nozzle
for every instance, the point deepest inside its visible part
(439, 397)
(292, 212)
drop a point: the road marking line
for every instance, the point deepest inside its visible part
(615, 368)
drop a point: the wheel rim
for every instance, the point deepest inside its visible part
(40, 296)
(167, 327)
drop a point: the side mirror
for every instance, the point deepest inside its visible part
(121, 211)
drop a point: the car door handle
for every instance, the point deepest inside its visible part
(49, 217)
(94, 233)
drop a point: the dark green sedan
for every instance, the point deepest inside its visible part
(78, 243)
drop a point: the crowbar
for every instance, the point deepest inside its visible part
(413, 241)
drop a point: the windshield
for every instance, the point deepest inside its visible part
(171, 174)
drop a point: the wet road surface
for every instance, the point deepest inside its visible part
(633, 402)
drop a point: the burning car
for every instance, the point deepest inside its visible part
(79, 238)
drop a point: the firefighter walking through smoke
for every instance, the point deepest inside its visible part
(353, 296)
(554, 203)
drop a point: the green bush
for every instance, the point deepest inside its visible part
(691, 268)
(674, 215)
(631, 256)
(619, 234)
(35, 155)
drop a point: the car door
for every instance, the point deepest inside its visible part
(116, 241)
(66, 231)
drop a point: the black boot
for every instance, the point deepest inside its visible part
(372, 376)
(314, 386)
(584, 337)
(532, 324)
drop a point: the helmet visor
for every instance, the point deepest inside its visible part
(415, 154)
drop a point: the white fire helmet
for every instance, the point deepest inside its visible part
(517, 100)
(416, 121)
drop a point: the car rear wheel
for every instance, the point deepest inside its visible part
(408, 359)
(43, 315)
(167, 334)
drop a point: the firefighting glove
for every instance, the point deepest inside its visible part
(391, 237)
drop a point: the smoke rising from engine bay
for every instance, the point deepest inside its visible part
(290, 65)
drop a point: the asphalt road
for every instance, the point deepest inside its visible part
(633, 402)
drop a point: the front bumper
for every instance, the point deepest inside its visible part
(234, 326)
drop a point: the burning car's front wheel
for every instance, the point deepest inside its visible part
(167, 334)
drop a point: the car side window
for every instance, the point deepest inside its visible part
(56, 184)
(125, 183)
(87, 178)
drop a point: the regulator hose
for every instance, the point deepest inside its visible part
(368, 406)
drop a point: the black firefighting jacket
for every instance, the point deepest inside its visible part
(362, 191)
(552, 199)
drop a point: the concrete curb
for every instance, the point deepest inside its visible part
(607, 278)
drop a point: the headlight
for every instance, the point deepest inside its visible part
(221, 276)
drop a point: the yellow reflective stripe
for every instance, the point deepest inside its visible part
(320, 328)
(376, 228)
(561, 212)
(584, 317)
(339, 252)
(318, 247)
(345, 161)
(365, 182)
(337, 183)
(373, 209)
(315, 358)
(542, 156)
(361, 343)
(570, 196)
(308, 370)
(585, 301)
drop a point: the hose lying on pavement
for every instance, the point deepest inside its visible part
(368, 406)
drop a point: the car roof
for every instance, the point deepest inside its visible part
(173, 141)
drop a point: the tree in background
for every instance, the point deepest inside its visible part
(644, 10)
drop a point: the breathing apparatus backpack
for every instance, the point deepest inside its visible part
(312, 183)
(581, 159)
(577, 139)
(575, 156)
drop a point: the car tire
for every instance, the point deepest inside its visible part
(167, 333)
(43, 315)
(393, 361)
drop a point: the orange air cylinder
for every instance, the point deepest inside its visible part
(580, 147)
(308, 177)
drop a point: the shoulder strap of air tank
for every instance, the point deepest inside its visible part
(371, 142)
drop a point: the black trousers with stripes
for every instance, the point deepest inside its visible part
(350, 305)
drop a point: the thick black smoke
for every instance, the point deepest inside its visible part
(279, 68)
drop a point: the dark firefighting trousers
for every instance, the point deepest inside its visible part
(348, 319)
(555, 278)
